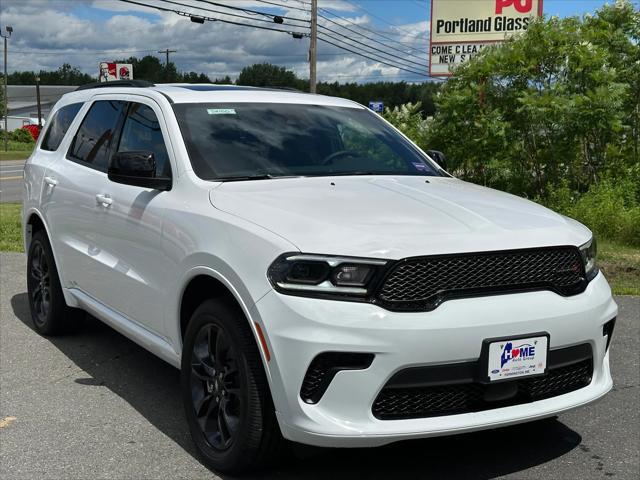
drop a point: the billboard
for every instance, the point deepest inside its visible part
(462, 28)
(115, 71)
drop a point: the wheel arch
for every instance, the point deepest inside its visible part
(203, 283)
(33, 222)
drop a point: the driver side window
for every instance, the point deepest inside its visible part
(141, 132)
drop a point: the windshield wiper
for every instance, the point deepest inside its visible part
(358, 172)
(258, 176)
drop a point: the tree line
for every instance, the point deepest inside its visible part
(150, 68)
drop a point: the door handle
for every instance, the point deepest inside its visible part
(104, 199)
(52, 182)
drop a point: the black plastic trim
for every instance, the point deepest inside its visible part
(466, 375)
(471, 372)
(116, 83)
(336, 362)
(607, 331)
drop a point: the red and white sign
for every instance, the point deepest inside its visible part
(115, 71)
(462, 28)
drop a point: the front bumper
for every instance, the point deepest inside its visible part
(298, 329)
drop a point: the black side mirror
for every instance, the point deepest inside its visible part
(439, 158)
(138, 169)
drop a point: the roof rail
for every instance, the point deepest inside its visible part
(287, 89)
(117, 83)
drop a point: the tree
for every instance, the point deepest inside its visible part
(65, 75)
(147, 68)
(267, 75)
(556, 104)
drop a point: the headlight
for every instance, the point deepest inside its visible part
(589, 253)
(322, 275)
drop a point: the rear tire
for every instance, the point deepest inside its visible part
(225, 392)
(49, 312)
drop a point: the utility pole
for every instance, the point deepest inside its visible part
(8, 30)
(313, 46)
(166, 65)
(38, 100)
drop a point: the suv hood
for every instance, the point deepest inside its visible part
(394, 217)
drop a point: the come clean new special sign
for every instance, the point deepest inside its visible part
(461, 28)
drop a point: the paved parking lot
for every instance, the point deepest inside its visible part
(95, 405)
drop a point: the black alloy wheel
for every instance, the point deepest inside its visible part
(217, 390)
(49, 312)
(225, 391)
(40, 281)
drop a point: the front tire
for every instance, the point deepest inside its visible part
(49, 312)
(225, 392)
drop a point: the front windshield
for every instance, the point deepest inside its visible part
(234, 141)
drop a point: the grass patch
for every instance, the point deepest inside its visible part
(621, 266)
(10, 228)
(14, 155)
(619, 263)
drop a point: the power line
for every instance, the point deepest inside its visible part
(368, 37)
(213, 19)
(252, 18)
(284, 6)
(375, 48)
(366, 55)
(371, 58)
(397, 58)
(375, 32)
(380, 18)
(35, 52)
(246, 10)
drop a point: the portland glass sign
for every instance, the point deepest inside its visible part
(462, 28)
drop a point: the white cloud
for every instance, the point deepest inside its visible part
(49, 33)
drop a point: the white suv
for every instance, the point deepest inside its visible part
(314, 274)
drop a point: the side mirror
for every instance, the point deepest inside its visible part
(138, 169)
(439, 158)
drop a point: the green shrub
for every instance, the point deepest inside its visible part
(409, 120)
(611, 209)
(21, 135)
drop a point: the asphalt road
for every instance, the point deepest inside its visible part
(95, 405)
(11, 180)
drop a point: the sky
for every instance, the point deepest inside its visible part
(83, 33)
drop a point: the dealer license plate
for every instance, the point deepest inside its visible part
(518, 357)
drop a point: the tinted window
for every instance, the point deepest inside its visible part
(92, 144)
(244, 139)
(141, 131)
(58, 126)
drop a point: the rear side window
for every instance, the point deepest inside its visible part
(58, 126)
(141, 132)
(92, 145)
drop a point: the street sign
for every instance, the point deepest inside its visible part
(462, 28)
(376, 106)
(110, 71)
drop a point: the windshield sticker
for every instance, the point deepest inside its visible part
(221, 111)
(421, 167)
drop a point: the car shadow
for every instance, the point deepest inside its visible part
(151, 387)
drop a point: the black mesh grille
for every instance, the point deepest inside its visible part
(430, 401)
(423, 283)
